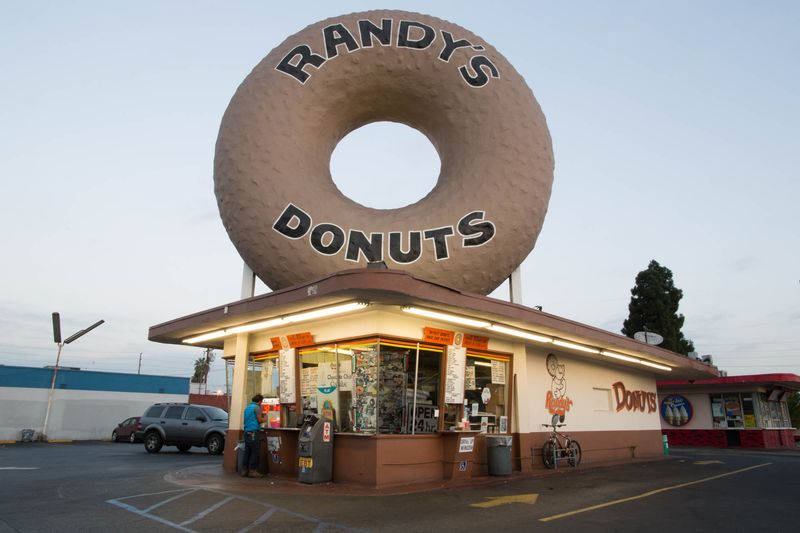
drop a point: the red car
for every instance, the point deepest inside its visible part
(126, 430)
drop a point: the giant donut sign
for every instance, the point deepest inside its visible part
(272, 177)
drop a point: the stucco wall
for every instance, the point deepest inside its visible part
(75, 414)
(590, 388)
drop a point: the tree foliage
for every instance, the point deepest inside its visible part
(654, 307)
(201, 367)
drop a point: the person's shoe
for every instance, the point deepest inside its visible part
(255, 474)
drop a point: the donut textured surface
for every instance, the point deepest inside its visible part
(280, 206)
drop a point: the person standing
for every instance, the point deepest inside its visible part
(253, 418)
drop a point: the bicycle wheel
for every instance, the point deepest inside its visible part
(573, 453)
(548, 454)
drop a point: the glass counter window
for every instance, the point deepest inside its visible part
(485, 392)
(326, 383)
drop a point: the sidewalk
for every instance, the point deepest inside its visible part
(214, 477)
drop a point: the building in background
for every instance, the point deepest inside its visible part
(741, 411)
(86, 405)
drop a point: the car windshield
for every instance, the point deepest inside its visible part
(216, 413)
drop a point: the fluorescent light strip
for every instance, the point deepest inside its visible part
(205, 337)
(519, 333)
(258, 325)
(265, 324)
(580, 347)
(527, 335)
(328, 311)
(655, 365)
(481, 363)
(447, 317)
(620, 356)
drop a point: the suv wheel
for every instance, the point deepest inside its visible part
(215, 444)
(153, 442)
(114, 437)
(132, 438)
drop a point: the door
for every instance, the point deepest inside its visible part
(172, 423)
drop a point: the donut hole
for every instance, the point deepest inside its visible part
(385, 165)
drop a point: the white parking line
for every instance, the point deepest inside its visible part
(171, 496)
(19, 468)
(210, 510)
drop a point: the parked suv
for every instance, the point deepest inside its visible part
(183, 425)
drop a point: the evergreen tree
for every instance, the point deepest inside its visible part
(654, 307)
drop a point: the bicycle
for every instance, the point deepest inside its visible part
(554, 451)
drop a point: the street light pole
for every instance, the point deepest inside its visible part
(57, 339)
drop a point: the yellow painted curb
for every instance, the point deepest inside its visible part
(8, 442)
(59, 441)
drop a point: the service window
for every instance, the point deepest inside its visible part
(749, 411)
(486, 392)
(326, 383)
(408, 387)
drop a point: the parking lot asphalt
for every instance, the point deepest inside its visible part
(102, 486)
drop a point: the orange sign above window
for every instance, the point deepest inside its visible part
(438, 336)
(475, 342)
(295, 340)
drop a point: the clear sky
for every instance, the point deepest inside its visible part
(676, 130)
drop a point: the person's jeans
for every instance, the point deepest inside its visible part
(251, 445)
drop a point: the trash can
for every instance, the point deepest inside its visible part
(498, 450)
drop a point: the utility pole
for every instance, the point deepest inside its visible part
(140, 363)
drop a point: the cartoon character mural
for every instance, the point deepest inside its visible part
(557, 402)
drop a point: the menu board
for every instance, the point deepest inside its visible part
(454, 378)
(470, 382)
(286, 367)
(498, 372)
(308, 381)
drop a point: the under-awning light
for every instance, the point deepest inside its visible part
(447, 317)
(655, 365)
(327, 311)
(520, 333)
(279, 321)
(620, 356)
(205, 337)
(572, 345)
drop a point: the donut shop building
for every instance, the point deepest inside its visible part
(412, 366)
(407, 369)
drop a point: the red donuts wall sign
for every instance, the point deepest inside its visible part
(290, 222)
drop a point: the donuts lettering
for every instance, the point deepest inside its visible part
(280, 206)
(329, 239)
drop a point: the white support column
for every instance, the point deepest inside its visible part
(239, 388)
(248, 282)
(515, 287)
(525, 401)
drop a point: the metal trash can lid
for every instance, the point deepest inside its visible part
(493, 441)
